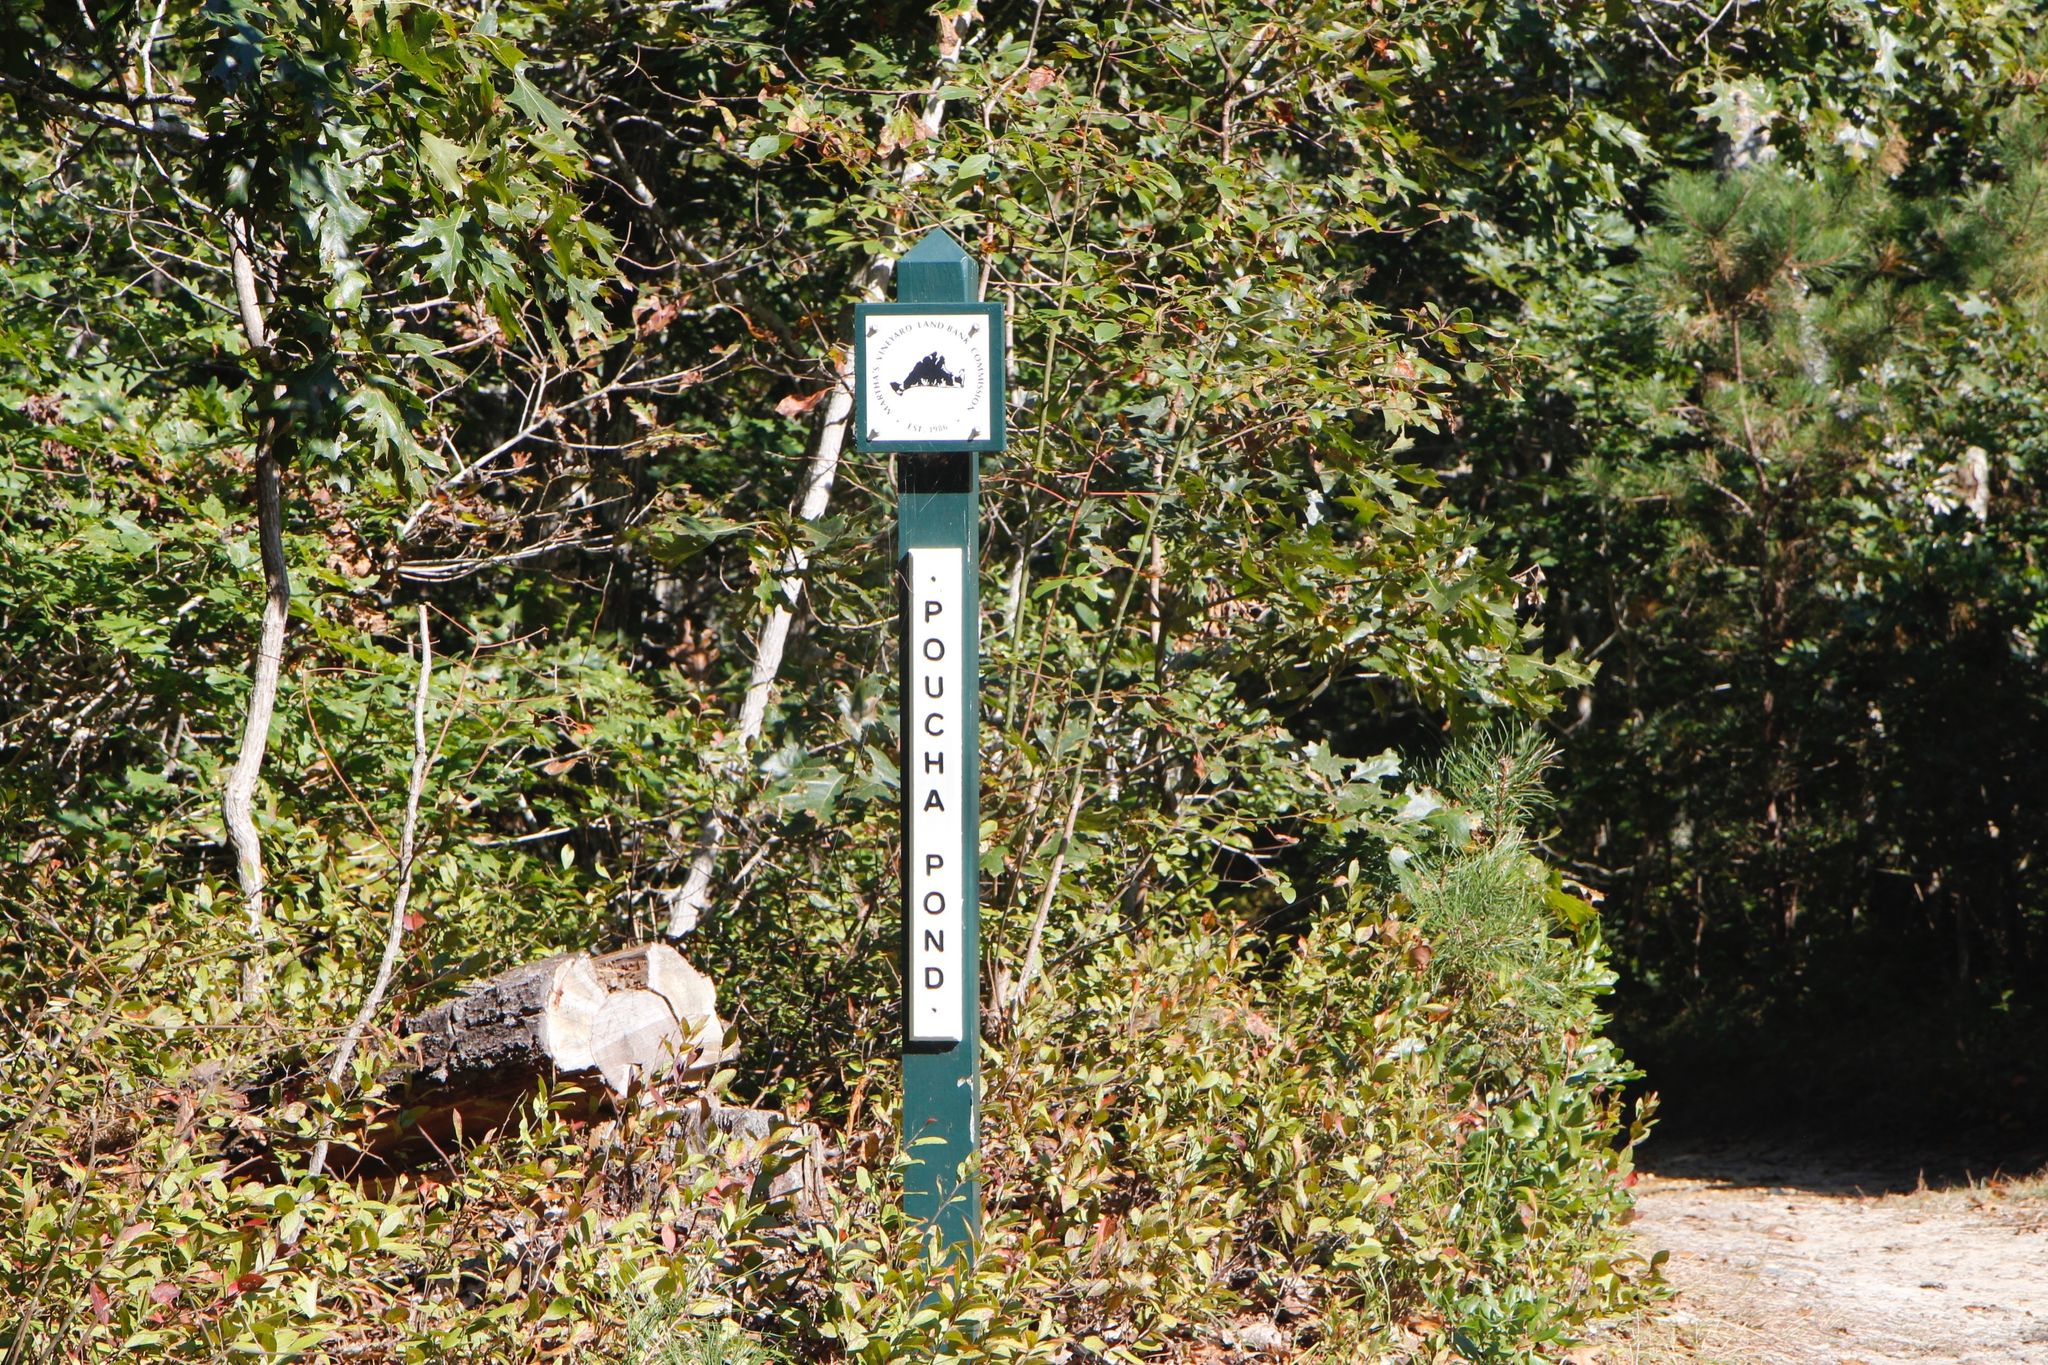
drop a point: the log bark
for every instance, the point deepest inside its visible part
(518, 1024)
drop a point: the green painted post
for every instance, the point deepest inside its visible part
(930, 388)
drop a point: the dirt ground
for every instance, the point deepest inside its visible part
(1780, 1259)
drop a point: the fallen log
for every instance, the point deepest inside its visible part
(612, 1021)
(635, 1014)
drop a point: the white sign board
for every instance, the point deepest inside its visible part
(934, 771)
(929, 377)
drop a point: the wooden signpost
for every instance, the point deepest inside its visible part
(929, 387)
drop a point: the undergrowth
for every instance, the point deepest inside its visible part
(1397, 1136)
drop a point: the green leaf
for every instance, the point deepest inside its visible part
(535, 105)
(444, 161)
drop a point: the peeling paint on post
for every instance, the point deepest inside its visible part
(929, 387)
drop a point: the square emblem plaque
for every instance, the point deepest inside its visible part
(928, 376)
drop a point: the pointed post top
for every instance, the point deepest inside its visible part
(937, 270)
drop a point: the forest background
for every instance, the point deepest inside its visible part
(1470, 463)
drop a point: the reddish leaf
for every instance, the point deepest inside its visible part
(796, 405)
(653, 314)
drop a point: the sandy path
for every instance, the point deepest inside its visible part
(1784, 1261)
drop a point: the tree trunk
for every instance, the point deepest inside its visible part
(686, 906)
(238, 797)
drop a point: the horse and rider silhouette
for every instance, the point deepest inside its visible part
(929, 373)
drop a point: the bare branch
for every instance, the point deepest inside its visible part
(408, 848)
(75, 108)
(542, 417)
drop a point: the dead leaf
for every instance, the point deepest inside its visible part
(796, 405)
(904, 129)
(652, 314)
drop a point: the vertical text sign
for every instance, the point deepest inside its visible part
(934, 763)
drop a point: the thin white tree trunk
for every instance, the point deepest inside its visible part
(686, 905)
(238, 796)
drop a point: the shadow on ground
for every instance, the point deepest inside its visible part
(1790, 1160)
